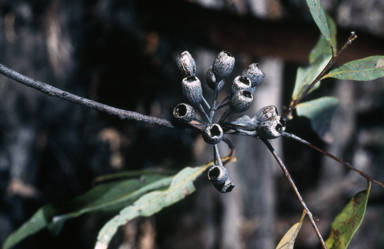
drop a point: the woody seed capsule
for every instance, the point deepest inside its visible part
(186, 64)
(240, 83)
(254, 74)
(223, 65)
(184, 112)
(217, 174)
(241, 101)
(192, 89)
(210, 79)
(225, 187)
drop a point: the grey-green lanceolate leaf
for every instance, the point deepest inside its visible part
(305, 76)
(348, 221)
(151, 203)
(320, 19)
(106, 197)
(322, 46)
(320, 111)
(369, 68)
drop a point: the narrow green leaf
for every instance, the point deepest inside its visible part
(151, 203)
(369, 68)
(320, 19)
(322, 46)
(33, 225)
(348, 221)
(320, 111)
(107, 197)
(305, 76)
(288, 240)
(131, 174)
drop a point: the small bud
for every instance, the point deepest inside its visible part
(213, 134)
(225, 187)
(217, 174)
(184, 112)
(223, 65)
(240, 83)
(254, 74)
(186, 64)
(241, 101)
(210, 79)
(192, 89)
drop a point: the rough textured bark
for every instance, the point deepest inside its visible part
(122, 54)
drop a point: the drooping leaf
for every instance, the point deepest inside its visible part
(322, 46)
(33, 225)
(320, 19)
(107, 197)
(288, 241)
(320, 111)
(131, 174)
(348, 221)
(369, 68)
(151, 203)
(305, 76)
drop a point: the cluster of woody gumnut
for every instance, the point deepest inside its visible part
(265, 124)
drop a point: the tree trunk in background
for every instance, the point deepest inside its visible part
(121, 53)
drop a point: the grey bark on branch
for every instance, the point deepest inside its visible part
(55, 92)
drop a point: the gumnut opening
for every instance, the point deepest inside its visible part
(213, 134)
(225, 187)
(217, 174)
(241, 83)
(184, 112)
(254, 74)
(271, 128)
(241, 101)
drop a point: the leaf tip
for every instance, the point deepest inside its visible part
(379, 63)
(100, 245)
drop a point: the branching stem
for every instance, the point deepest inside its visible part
(232, 153)
(286, 173)
(288, 112)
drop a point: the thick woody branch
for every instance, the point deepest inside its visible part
(55, 92)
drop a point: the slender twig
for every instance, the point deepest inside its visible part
(232, 153)
(289, 135)
(221, 104)
(288, 112)
(206, 103)
(225, 115)
(213, 109)
(216, 155)
(55, 92)
(204, 112)
(286, 173)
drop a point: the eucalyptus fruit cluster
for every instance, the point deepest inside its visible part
(265, 124)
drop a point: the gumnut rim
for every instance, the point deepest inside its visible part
(184, 112)
(218, 174)
(213, 134)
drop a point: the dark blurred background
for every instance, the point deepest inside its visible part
(121, 53)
